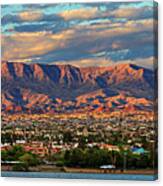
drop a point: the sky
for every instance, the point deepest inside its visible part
(80, 34)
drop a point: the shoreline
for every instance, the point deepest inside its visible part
(101, 171)
(51, 169)
(86, 176)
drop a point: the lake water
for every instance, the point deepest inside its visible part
(80, 176)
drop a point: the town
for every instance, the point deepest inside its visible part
(53, 139)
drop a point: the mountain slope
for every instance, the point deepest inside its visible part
(48, 88)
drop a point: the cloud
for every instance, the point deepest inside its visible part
(95, 12)
(84, 40)
(88, 62)
(83, 13)
(149, 62)
(25, 45)
(24, 17)
(30, 15)
(10, 19)
(133, 13)
(114, 29)
(28, 44)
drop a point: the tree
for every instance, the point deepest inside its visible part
(28, 160)
(13, 154)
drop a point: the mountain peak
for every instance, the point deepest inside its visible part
(42, 88)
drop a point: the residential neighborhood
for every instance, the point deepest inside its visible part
(49, 135)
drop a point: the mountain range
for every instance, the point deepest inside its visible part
(41, 88)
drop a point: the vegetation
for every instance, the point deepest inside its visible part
(95, 157)
(23, 160)
(80, 157)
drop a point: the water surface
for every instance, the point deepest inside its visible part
(80, 176)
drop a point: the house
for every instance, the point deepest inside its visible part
(138, 150)
(109, 147)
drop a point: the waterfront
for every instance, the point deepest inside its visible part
(80, 176)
